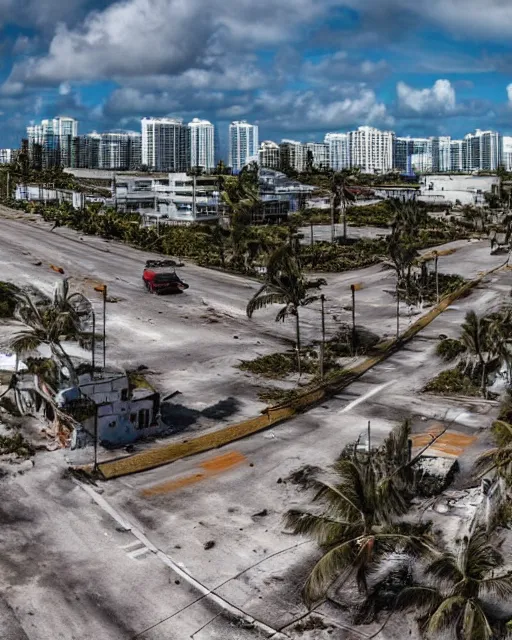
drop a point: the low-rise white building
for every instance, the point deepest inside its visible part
(453, 189)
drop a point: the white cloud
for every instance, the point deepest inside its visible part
(65, 89)
(509, 92)
(341, 107)
(340, 65)
(440, 98)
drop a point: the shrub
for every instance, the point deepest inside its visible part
(450, 349)
(16, 444)
(8, 293)
(280, 365)
(453, 381)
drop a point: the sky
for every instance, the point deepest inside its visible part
(297, 68)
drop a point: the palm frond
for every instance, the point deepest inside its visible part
(262, 300)
(474, 622)
(326, 531)
(331, 565)
(500, 586)
(445, 569)
(25, 341)
(418, 598)
(446, 614)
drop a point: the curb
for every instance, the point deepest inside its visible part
(276, 414)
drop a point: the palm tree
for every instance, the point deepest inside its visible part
(357, 526)
(340, 196)
(454, 601)
(285, 284)
(478, 340)
(498, 458)
(45, 324)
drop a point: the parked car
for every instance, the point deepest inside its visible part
(160, 277)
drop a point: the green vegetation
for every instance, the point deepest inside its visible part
(8, 299)
(138, 380)
(359, 520)
(16, 444)
(280, 365)
(450, 349)
(453, 381)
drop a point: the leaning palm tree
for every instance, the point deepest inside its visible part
(285, 284)
(48, 325)
(358, 522)
(454, 603)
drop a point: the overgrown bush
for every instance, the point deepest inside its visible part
(16, 444)
(449, 349)
(280, 365)
(453, 381)
(8, 293)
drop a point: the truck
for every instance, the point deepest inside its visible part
(159, 277)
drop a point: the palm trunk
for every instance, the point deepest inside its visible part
(344, 208)
(333, 231)
(297, 328)
(61, 355)
(484, 378)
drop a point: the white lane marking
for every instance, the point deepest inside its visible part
(137, 543)
(371, 393)
(138, 552)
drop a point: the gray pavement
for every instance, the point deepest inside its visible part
(69, 571)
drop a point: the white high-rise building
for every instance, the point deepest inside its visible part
(269, 155)
(507, 152)
(371, 149)
(319, 154)
(243, 144)
(293, 155)
(441, 159)
(482, 151)
(202, 144)
(6, 156)
(55, 139)
(456, 155)
(339, 153)
(165, 144)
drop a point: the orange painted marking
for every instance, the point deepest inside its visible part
(223, 462)
(212, 467)
(451, 442)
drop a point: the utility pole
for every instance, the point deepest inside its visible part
(322, 344)
(194, 196)
(436, 257)
(8, 194)
(311, 233)
(369, 438)
(397, 310)
(95, 466)
(102, 288)
(333, 230)
(93, 356)
(353, 289)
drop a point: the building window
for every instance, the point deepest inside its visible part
(124, 395)
(143, 419)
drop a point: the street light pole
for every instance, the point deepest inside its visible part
(95, 467)
(436, 257)
(102, 288)
(397, 310)
(353, 289)
(322, 345)
(93, 356)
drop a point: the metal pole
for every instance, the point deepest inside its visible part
(437, 276)
(8, 194)
(104, 325)
(93, 343)
(322, 345)
(311, 232)
(333, 231)
(194, 197)
(95, 468)
(369, 437)
(353, 289)
(397, 310)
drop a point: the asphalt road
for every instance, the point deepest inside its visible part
(57, 546)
